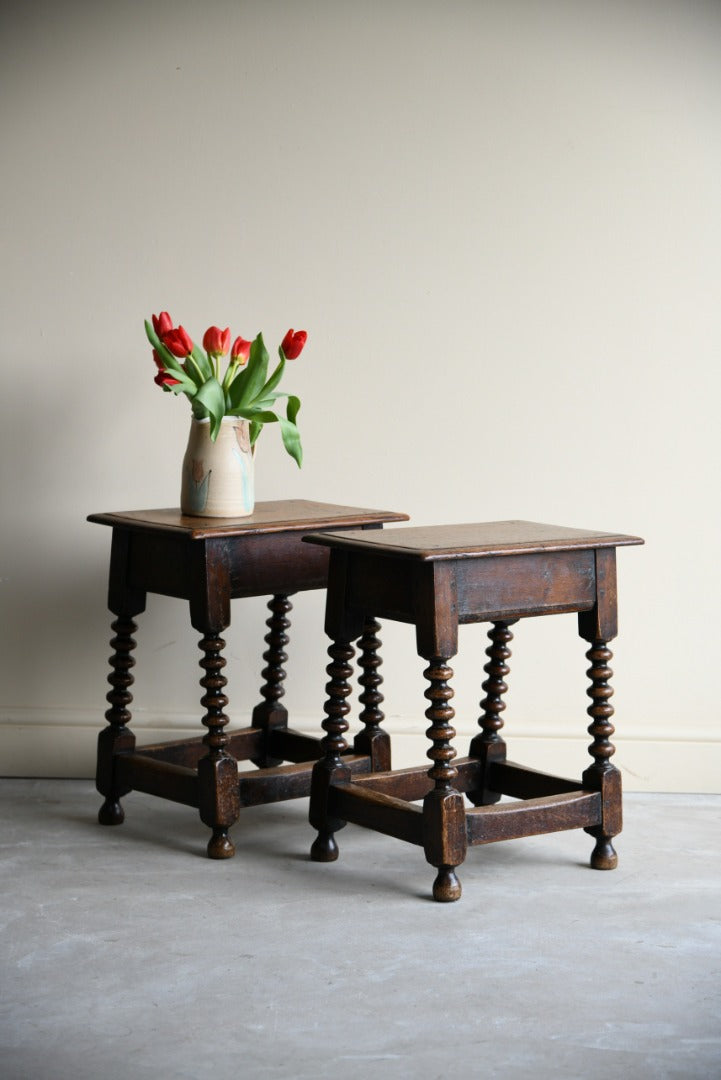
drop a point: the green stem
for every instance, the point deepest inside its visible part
(191, 360)
(230, 375)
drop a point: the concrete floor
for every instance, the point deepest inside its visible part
(127, 954)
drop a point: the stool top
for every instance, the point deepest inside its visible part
(432, 542)
(283, 515)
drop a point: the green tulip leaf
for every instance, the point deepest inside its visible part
(212, 397)
(291, 440)
(253, 379)
(152, 336)
(236, 389)
(263, 416)
(185, 386)
(204, 365)
(196, 373)
(260, 416)
(177, 370)
(293, 407)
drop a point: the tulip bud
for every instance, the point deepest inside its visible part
(178, 341)
(240, 351)
(162, 323)
(293, 342)
(216, 342)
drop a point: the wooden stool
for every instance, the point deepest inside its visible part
(437, 578)
(209, 561)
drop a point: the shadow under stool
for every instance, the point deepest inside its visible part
(438, 578)
(209, 562)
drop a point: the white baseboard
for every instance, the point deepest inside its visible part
(61, 743)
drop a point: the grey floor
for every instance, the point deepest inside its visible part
(125, 953)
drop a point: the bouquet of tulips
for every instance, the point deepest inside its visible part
(245, 389)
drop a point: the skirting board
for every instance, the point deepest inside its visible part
(61, 743)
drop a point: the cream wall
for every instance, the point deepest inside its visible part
(499, 222)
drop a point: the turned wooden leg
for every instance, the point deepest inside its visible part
(488, 746)
(444, 817)
(372, 740)
(602, 775)
(116, 736)
(217, 771)
(270, 714)
(330, 767)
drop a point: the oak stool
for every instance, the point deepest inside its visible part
(209, 562)
(436, 579)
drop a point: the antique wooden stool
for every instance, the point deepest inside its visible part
(437, 578)
(209, 561)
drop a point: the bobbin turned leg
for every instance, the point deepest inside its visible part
(488, 746)
(218, 791)
(330, 767)
(372, 740)
(116, 736)
(444, 818)
(599, 626)
(217, 771)
(125, 602)
(602, 775)
(270, 714)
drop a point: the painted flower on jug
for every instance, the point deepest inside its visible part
(245, 389)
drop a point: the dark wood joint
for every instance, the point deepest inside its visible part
(124, 598)
(343, 622)
(111, 742)
(445, 840)
(435, 603)
(376, 745)
(601, 622)
(210, 585)
(219, 800)
(444, 828)
(608, 782)
(489, 755)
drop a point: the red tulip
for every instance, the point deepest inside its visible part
(178, 341)
(240, 351)
(216, 342)
(165, 379)
(293, 342)
(162, 323)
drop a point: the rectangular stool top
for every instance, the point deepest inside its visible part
(432, 542)
(283, 515)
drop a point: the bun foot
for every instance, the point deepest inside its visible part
(446, 887)
(604, 856)
(220, 846)
(324, 848)
(111, 813)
